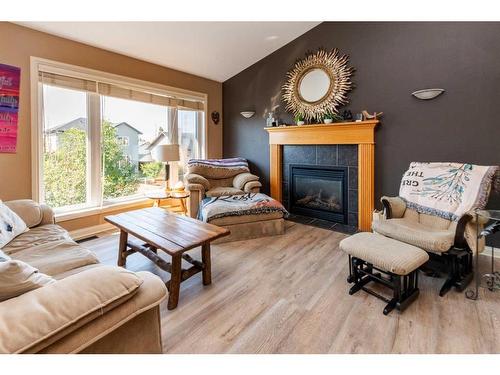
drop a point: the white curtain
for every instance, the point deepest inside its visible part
(173, 138)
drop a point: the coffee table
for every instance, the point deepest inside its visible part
(156, 229)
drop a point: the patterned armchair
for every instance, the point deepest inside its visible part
(450, 243)
(218, 177)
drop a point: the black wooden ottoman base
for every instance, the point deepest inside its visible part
(404, 287)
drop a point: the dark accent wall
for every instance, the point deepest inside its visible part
(391, 60)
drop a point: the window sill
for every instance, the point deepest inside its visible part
(65, 216)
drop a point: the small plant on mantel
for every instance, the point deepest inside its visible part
(330, 117)
(299, 119)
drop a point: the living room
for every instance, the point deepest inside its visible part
(250, 187)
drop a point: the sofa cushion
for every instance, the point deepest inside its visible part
(28, 210)
(417, 234)
(11, 225)
(385, 253)
(17, 277)
(50, 249)
(223, 191)
(149, 295)
(44, 315)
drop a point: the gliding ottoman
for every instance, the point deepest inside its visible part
(395, 264)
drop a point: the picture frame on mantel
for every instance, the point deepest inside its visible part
(10, 77)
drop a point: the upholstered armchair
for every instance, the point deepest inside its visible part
(450, 244)
(218, 177)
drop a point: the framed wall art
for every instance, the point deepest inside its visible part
(9, 107)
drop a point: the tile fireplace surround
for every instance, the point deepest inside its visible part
(348, 133)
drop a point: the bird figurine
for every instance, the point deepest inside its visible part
(368, 116)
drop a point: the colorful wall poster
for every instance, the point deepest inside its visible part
(9, 106)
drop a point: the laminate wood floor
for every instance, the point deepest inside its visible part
(288, 294)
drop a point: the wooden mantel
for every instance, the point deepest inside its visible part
(355, 133)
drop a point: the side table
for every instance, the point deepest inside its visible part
(158, 196)
(492, 279)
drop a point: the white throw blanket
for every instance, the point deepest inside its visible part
(238, 205)
(447, 190)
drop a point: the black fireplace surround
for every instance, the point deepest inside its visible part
(318, 191)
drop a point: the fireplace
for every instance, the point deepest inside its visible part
(318, 191)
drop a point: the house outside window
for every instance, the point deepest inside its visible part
(97, 133)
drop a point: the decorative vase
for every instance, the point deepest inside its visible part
(327, 120)
(300, 123)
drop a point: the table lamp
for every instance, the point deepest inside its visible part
(166, 154)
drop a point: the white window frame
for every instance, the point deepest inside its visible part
(38, 64)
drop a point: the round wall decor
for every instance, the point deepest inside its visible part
(318, 84)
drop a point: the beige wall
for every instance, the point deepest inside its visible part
(19, 43)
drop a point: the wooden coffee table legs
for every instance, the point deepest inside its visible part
(207, 267)
(174, 285)
(177, 273)
(122, 249)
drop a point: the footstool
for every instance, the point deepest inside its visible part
(397, 264)
(247, 216)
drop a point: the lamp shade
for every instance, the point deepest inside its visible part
(167, 153)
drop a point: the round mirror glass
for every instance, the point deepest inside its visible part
(314, 85)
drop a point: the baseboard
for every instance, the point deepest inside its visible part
(79, 234)
(488, 249)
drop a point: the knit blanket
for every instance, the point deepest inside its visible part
(238, 205)
(230, 163)
(447, 190)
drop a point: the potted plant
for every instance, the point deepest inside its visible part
(299, 119)
(330, 117)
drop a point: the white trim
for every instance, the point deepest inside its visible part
(94, 156)
(79, 234)
(76, 214)
(36, 133)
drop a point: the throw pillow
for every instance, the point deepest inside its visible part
(17, 278)
(11, 225)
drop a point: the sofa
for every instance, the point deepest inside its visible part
(90, 308)
(216, 178)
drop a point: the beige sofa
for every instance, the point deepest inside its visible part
(91, 308)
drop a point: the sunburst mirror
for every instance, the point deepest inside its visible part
(318, 84)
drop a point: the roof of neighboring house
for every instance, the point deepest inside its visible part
(127, 124)
(81, 123)
(155, 142)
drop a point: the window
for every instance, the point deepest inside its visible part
(96, 135)
(122, 141)
(65, 155)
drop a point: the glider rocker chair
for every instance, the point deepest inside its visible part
(450, 244)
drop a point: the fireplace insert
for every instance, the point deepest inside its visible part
(318, 191)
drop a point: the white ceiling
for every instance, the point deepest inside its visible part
(215, 50)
